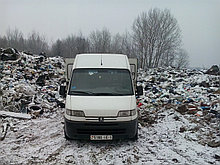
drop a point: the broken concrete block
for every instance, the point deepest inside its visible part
(182, 109)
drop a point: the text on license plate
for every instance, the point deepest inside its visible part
(101, 137)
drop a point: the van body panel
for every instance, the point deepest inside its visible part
(101, 61)
(100, 106)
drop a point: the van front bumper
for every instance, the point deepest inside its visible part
(83, 130)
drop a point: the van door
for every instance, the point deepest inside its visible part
(133, 66)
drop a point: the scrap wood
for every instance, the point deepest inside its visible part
(15, 115)
(3, 131)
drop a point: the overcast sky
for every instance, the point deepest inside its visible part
(199, 20)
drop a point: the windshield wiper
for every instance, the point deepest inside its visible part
(108, 94)
(96, 94)
(82, 92)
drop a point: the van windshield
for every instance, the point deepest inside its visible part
(101, 82)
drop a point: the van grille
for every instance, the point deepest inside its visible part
(101, 131)
(101, 124)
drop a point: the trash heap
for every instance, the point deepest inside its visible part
(29, 83)
(194, 94)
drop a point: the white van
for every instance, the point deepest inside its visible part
(100, 99)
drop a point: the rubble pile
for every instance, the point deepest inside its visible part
(194, 94)
(29, 83)
(8, 54)
(179, 117)
(214, 70)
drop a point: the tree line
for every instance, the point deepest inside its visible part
(155, 39)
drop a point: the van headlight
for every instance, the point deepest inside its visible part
(76, 113)
(127, 113)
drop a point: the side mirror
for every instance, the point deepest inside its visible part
(139, 90)
(62, 91)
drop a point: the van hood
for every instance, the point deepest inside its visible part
(100, 105)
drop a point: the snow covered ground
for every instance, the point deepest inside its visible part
(41, 141)
(179, 119)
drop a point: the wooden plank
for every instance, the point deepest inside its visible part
(15, 115)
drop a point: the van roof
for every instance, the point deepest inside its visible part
(101, 61)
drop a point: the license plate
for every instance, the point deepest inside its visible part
(101, 137)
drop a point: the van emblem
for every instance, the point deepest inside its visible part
(101, 119)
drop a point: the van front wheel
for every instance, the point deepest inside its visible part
(65, 135)
(135, 136)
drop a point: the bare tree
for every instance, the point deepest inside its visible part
(36, 43)
(57, 48)
(15, 39)
(156, 34)
(100, 41)
(155, 40)
(82, 44)
(3, 42)
(182, 59)
(73, 45)
(68, 46)
(116, 44)
(104, 42)
(168, 59)
(128, 46)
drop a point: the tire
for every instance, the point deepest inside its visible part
(65, 135)
(135, 138)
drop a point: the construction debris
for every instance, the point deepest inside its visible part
(29, 82)
(179, 117)
(3, 131)
(214, 70)
(9, 54)
(194, 94)
(15, 115)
